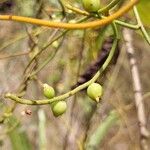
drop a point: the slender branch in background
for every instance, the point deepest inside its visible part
(42, 130)
(127, 34)
(92, 24)
(13, 55)
(48, 59)
(109, 6)
(44, 48)
(21, 36)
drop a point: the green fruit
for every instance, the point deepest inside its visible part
(91, 5)
(95, 91)
(58, 108)
(48, 91)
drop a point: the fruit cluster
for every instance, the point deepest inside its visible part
(58, 108)
(94, 91)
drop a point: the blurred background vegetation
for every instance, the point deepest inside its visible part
(35, 127)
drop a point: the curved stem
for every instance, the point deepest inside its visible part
(72, 92)
(92, 24)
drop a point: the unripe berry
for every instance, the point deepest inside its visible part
(48, 91)
(91, 5)
(95, 91)
(58, 108)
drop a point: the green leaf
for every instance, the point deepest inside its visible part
(144, 10)
(18, 137)
(96, 138)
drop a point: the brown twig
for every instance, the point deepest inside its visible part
(127, 34)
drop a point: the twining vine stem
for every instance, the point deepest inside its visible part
(85, 25)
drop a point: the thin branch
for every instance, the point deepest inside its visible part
(137, 86)
(21, 36)
(47, 60)
(141, 26)
(109, 6)
(42, 130)
(13, 55)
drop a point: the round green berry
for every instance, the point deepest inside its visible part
(91, 5)
(58, 108)
(95, 91)
(48, 91)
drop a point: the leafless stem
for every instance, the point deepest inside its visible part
(127, 34)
